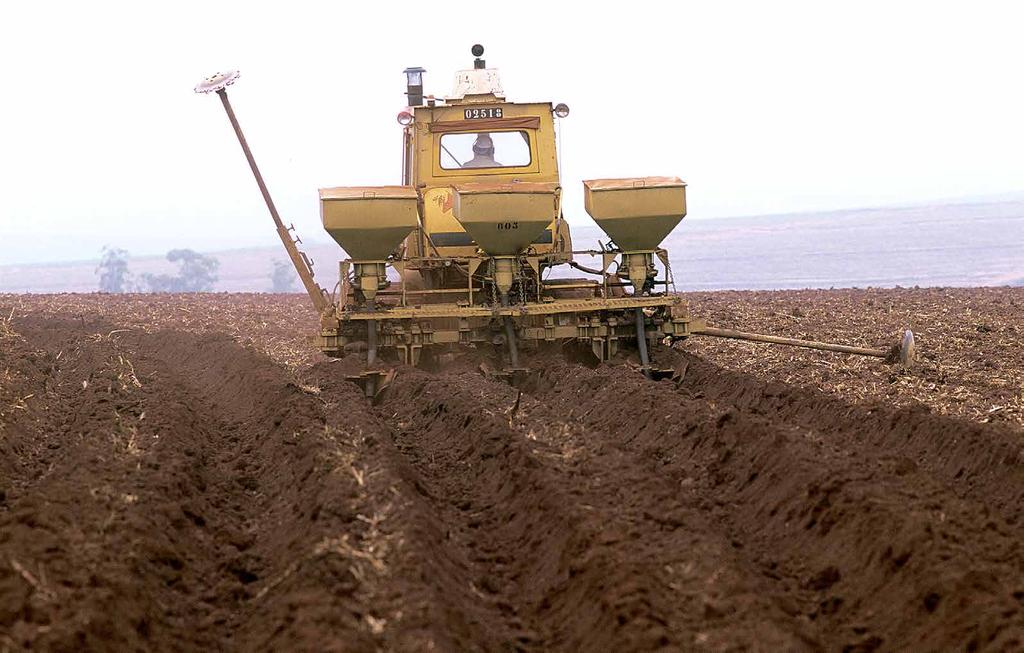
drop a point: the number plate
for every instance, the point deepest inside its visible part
(478, 114)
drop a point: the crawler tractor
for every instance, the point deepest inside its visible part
(473, 249)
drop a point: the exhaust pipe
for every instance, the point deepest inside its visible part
(414, 86)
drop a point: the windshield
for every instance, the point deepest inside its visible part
(508, 149)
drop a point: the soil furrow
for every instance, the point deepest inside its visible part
(218, 495)
(175, 489)
(980, 462)
(92, 572)
(580, 552)
(292, 558)
(855, 532)
(486, 502)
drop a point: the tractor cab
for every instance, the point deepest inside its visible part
(475, 143)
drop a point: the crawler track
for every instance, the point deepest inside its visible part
(168, 490)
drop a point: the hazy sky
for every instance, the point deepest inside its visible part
(761, 106)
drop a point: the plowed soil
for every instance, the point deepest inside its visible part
(185, 473)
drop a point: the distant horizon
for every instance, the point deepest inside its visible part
(966, 243)
(320, 238)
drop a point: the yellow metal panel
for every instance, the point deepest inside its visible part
(445, 232)
(427, 170)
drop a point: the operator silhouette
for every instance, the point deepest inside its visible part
(483, 153)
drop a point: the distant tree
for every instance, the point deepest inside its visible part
(113, 270)
(196, 273)
(283, 277)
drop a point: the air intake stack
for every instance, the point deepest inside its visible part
(414, 86)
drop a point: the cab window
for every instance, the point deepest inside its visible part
(505, 149)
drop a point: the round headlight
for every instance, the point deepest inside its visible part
(404, 118)
(561, 109)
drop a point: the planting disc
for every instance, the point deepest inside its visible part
(217, 82)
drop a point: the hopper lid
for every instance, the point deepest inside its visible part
(495, 188)
(633, 182)
(358, 192)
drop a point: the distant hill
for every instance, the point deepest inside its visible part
(957, 244)
(979, 244)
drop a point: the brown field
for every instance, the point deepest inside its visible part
(186, 473)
